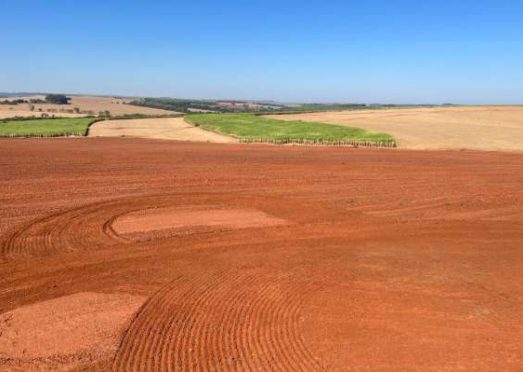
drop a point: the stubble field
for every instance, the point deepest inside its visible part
(142, 255)
(159, 128)
(492, 128)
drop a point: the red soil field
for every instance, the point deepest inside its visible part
(143, 255)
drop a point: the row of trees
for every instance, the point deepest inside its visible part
(20, 101)
(57, 99)
(189, 105)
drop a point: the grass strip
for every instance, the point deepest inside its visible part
(250, 127)
(48, 127)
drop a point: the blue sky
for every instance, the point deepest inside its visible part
(389, 51)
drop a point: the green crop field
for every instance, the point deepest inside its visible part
(44, 127)
(252, 127)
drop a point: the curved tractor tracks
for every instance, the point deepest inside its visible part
(233, 320)
(88, 227)
(225, 321)
(83, 228)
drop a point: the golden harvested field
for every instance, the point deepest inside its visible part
(116, 106)
(6, 113)
(477, 128)
(159, 128)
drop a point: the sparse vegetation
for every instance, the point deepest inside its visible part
(252, 127)
(105, 113)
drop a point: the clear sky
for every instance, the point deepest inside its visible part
(388, 51)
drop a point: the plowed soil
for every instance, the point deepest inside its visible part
(258, 257)
(61, 333)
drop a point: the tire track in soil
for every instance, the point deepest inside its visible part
(226, 321)
(222, 321)
(87, 227)
(83, 228)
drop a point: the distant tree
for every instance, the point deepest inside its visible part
(57, 99)
(31, 107)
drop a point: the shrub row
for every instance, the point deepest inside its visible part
(40, 135)
(320, 142)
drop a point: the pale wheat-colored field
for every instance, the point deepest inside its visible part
(476, 128)
(6, 114)
(88, 105)
(160, 128)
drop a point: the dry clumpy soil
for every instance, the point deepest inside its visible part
(182, 220)
(276, 258)
(66, 331)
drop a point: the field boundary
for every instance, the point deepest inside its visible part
(303, 142)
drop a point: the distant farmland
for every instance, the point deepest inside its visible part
(78, 106)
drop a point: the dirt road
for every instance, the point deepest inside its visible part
(183, 256)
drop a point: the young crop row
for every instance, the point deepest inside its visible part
(321, 142)
(40, 135)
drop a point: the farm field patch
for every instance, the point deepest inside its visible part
(476, 127)
(44, 127)
(20, 112)
(250, 257)
(252, 127)
(158, 128)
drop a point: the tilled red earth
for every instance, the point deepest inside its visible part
(137, 255)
